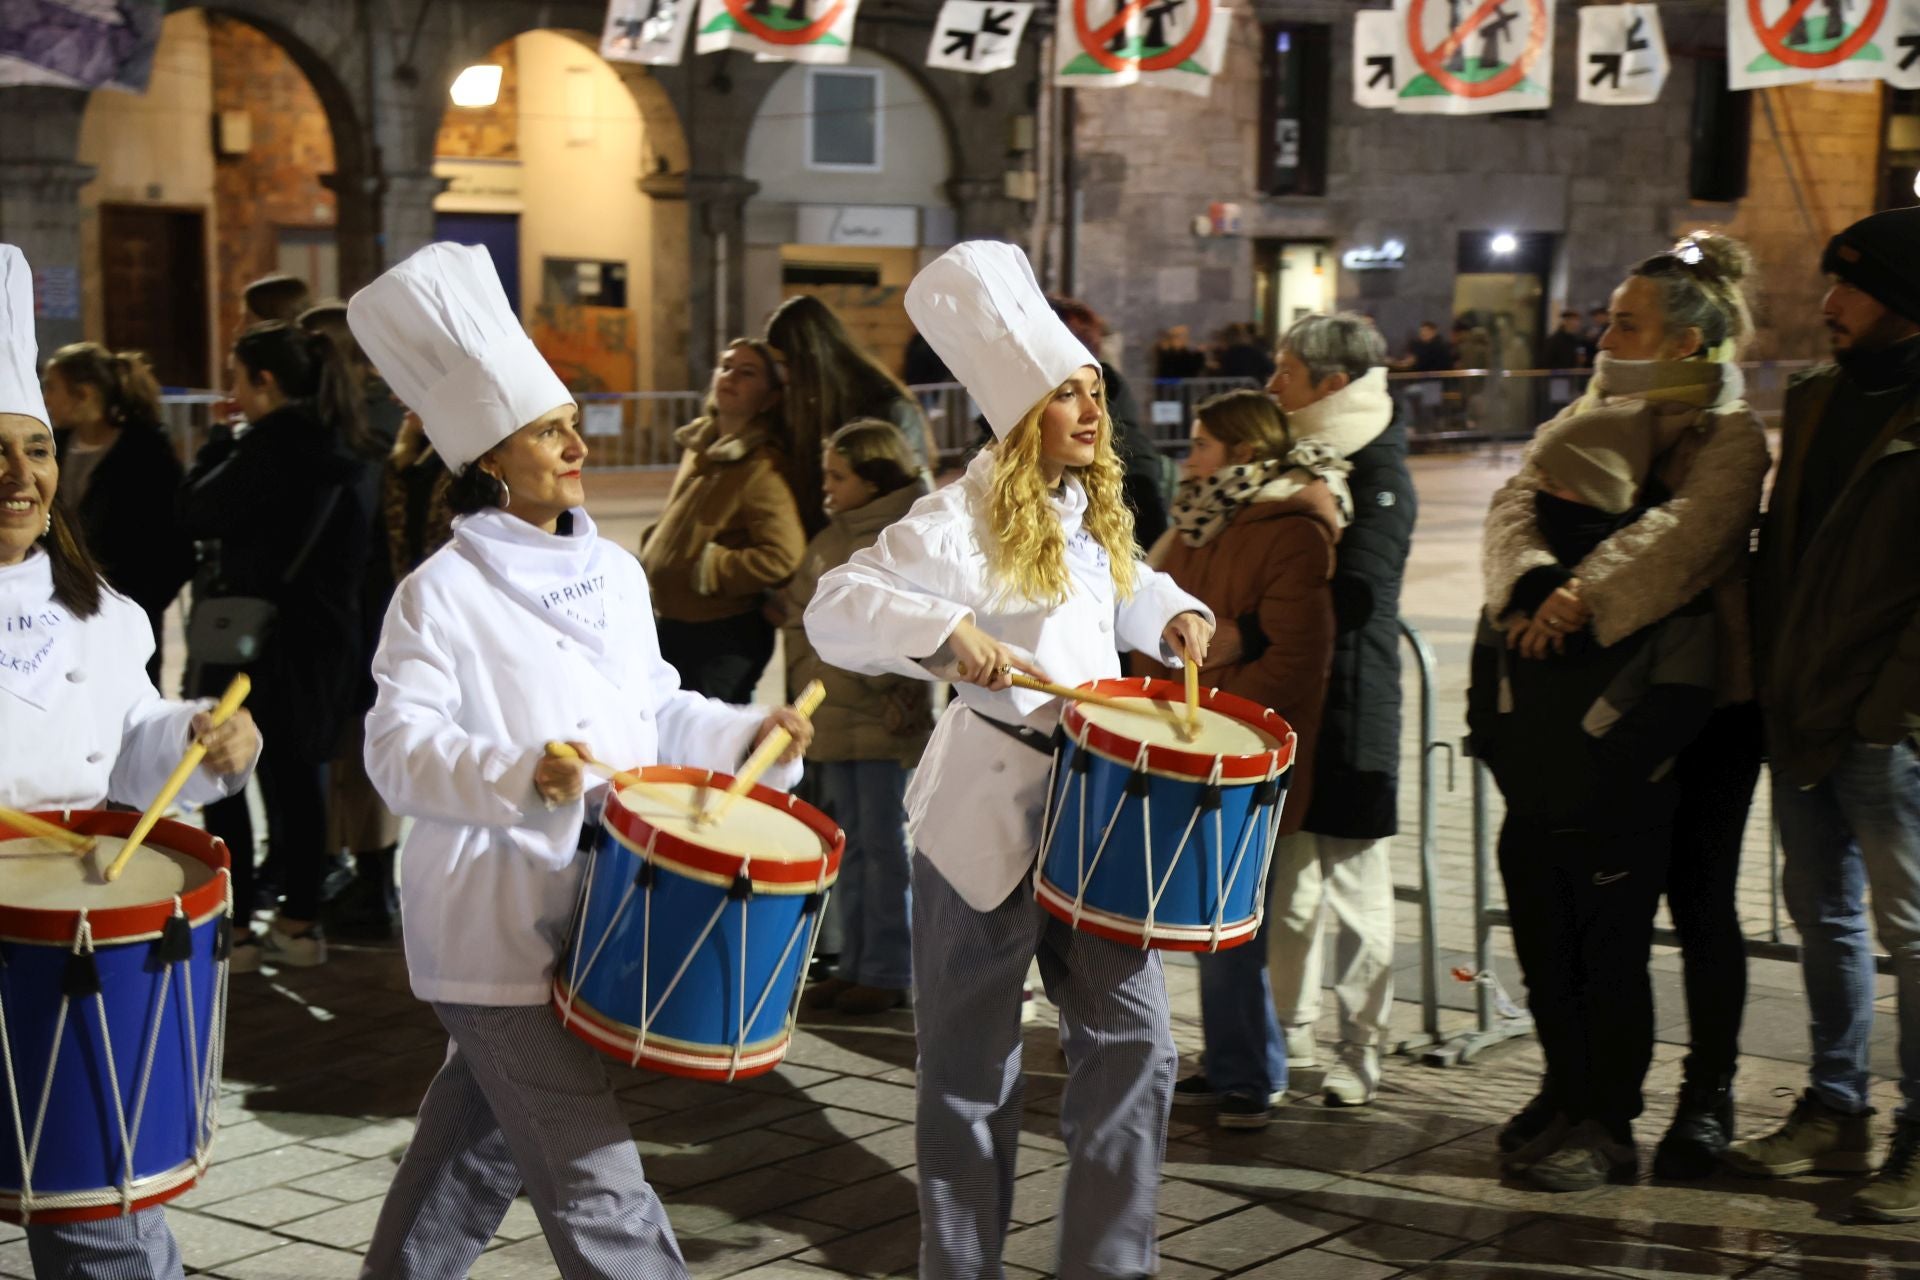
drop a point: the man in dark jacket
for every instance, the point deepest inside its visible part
(1837, 655)
(1355, 809)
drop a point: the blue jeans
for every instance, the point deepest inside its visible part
(868, 799)
(1859, 829)
(1245, 1051)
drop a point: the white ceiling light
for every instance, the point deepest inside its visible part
(1504, 243)
(477, 86)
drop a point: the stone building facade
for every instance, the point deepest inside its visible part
(381, 73)
(1608, 185)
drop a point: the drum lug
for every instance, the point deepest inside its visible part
(1082, 762)
(1209, 798)
(1266, 791)
(1138, 783)
(82, 978)
(811, 906)
(223, 938)
(643, 878)
(176, 941)
(741, 889)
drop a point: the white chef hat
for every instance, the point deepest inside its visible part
(19, 353)
(979, 306)
(439, 330)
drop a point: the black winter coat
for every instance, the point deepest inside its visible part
(252, 503)
(1357, 771)
(127, 518)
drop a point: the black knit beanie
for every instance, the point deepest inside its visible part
(1880, 256)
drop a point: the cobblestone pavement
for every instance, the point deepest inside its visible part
(808, 1172)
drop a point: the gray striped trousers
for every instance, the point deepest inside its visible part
(969, 968)
(136, 1246)
(520, 1101)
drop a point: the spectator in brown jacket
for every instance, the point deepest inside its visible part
(1254, 530)
(870, 731)
(730, 532)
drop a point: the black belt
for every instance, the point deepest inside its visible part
(1041, 742)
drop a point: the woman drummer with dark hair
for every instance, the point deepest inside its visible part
(526, 628)
(80, 721)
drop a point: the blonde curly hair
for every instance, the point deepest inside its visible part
(1024, 545)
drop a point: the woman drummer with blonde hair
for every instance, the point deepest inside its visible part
(1026, 565)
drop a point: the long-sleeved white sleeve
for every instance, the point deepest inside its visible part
(890, 604)
(1140, 623)
(156, 733)
(708, 733)
(420, 759)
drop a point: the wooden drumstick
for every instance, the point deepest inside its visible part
(222, 712)
(618, 777)
(1138, 706)
(27, 824)
(1193, 701)
(764, 755)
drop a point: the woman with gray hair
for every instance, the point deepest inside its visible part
(1331, 379)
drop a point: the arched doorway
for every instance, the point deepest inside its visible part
(180, 216)
(852, 165)
(567, 179)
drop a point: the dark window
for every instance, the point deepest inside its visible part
(583, 282)
(1722, 125)
(1294, 106)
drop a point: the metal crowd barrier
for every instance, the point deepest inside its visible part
(1423, 894)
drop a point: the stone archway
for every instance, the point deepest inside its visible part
(520, 183)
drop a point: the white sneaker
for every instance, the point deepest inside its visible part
(295, 950)
(1301, 1049)
(1354, 1077)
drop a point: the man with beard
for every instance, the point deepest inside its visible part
(1837, 640)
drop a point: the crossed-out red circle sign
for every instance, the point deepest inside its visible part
(1093, 41)
(773, 35)
(1434, 61)
(1774, 37)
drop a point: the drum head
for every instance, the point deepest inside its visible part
(750, 828)
(1219, 734)
(40, 875)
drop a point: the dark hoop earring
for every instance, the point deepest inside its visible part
(506, 494)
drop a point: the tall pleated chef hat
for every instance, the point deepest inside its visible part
(439, 330)
(979, 306)
(19, 352)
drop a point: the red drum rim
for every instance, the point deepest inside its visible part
(616, 1040)
(155, 1189)
(670, 849)
(1196, 765)
(121, 924)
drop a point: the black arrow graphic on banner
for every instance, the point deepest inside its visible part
(1912, 45)
(991, 24)
(1635, 41)
(1609, 64)
(1382, 65)
(996, 24)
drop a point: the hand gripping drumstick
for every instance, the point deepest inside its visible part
(27, 824)
(222, 712)
(1138, 706)
(764, 755)
(618, 777)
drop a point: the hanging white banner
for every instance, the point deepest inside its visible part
(1471, 57)
(1194, 74)
(977, 36)
(1623, 55)
(649, 31)
(1776, 42)
(818, 31)
(1376, 58)
(1108, 44)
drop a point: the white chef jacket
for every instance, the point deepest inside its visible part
(472, 684)
(976, 801)
(94, 728)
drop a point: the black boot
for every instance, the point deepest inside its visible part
(1701, 1129)
(367, 909)
(1529, 1122)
